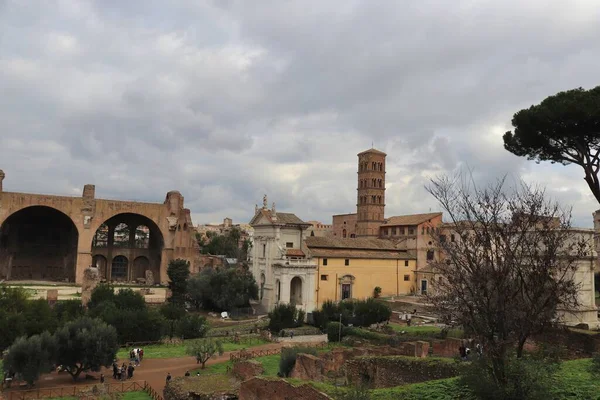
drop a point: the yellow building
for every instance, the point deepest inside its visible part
(353, 268)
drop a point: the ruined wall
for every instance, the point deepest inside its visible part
(446, 348)
(88, 213)
(390, 371)
(247, 369)
(332, 364)
(278, 389)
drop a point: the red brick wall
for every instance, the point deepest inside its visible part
(390, 371)
(247, 369)
(271, 389)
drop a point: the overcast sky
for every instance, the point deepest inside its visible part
(228, 100)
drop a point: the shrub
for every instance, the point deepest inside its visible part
(288, 358)
(305, 330)
(127, 299)
(285, 316)
(595, 366)
(102, 293)
(376, 292)
(68, 310)
(335, 332)
(356, 312)
(191, 327)
(526, 378)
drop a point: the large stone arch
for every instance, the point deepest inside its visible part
(38, 242)
(151, 217)
(148, 257)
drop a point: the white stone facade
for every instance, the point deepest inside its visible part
(278, 260)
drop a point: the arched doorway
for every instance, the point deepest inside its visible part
(296, 291)
(100, 262)
(135, 237)
(38, 243)
(120, 268)
(140, 265)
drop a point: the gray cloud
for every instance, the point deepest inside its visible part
(227, 100)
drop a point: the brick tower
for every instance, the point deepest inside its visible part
(370, 202)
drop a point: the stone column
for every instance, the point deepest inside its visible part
(285, 289)
(166, 256)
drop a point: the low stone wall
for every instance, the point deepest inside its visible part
(446, 348)
(205, 387)
(331, 364)
(389, 371)
(573, 344)
(278, 389)
(247, 369)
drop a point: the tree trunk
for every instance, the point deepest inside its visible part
(520, 346)
(76, 373)
(203, 363)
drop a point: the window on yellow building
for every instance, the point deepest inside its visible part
(324, 261)
(346, 262)
(401, 229)
(324, 277)
(406, 263)
(406, 278)
(411, 230)
(264, 250)
(289, 245)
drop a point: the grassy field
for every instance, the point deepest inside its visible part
(126, 396)
(573, 381)
(425, 330)
(173, 351)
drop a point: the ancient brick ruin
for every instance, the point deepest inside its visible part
(55, 238)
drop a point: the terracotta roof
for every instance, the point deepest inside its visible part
(350, 243)
(282, 218)
(371, 151)
(294, 253)
(412, 219)
(358, 253)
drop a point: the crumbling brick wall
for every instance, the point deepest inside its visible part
(446, 348)
(278, 389)
(389, 371)
(247, 369)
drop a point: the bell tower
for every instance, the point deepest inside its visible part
(370, 202)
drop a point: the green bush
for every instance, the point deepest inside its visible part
(285, 316)
(595, 366)
(333, 332)
(68, 310)
(356, 312)
(191, 327)
(288, 358)
(526, 378)
(304, 330)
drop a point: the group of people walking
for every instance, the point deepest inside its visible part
(123, 372)
(126, 371)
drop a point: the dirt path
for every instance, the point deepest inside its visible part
(154, 370)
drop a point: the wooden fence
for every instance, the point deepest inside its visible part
(84, 392)
(243, 355)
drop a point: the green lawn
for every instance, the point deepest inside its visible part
(425, 330)
(178, 350)
(573, 381)
(126, 396)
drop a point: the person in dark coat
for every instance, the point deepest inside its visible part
(168, 377)
(130, 370)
